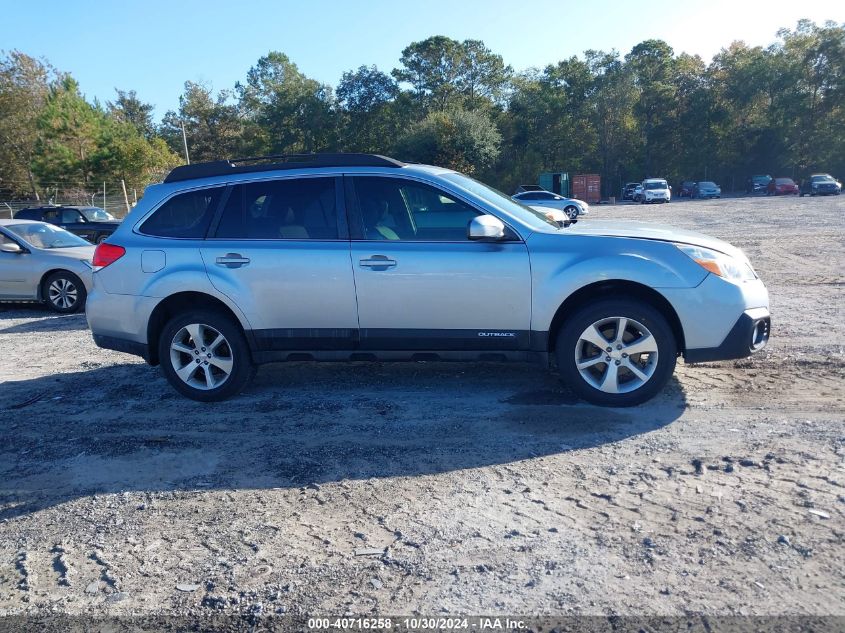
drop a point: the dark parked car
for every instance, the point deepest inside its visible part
(782, 187)
(628, 190)
(757, 184)
(706, 189)
(92, 223)
(685, 190)
(821, 185)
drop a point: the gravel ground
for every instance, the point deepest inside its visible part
(439, 488)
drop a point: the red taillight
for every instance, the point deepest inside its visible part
(106, 254)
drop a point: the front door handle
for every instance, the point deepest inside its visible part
(232, 260)
(378, 262)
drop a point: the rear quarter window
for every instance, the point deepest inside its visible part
(185, 215)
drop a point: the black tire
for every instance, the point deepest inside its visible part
(101, 238)
(571, 212)
(234, 348)
(64, 292)
(568, 342)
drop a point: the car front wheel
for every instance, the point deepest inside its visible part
(204, 355)
(64, 292)
(616, 352)
(571, 211)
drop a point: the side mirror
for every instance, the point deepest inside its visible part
(11, 247)
(485, 227)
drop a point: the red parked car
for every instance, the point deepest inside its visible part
(782, 187)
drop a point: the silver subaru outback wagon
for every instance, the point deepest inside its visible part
(230, 264)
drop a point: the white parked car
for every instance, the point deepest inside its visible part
(655, 190)
(572, 207)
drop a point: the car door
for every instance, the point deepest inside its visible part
(545, 199)
(421, 283)
(16, 272)
(72, 220)
(280, 250)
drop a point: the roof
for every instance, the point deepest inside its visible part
(278, 162)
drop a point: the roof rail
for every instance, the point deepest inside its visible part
(280, 161)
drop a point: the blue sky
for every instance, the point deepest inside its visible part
(154, 46)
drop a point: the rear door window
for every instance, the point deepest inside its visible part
(186, 215)
(285, 209)
(71, 216)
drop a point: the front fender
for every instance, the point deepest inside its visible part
(561, 265)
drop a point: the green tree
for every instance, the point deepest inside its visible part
(459, 139)
(445, 73)
(289, 112)
(70, 136)
(24, 88)
(213, 126)
(366, 100)
(130, 109)
(652, 65)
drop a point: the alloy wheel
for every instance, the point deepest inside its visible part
(63, 293)
(616, 355)
(201, 356)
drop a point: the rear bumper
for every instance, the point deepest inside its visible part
(749, 335)
(123, 345)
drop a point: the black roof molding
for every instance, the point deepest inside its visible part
(281, 161)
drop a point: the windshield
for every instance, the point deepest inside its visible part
(95, 214)
(784, 181)
(655, 185)
(42, 235)
(708, 184)
(761, 178)
(499, 200)
(824, 178)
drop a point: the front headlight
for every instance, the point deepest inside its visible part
(724, 266)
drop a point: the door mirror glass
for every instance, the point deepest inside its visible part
(10, 247)
(485, 227)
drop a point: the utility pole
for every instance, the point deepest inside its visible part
(125, 197)
(185, 141)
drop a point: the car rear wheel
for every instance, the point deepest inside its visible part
(204, 355)
(64, 292)
(616, 352)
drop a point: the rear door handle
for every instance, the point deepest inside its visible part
(378, 262)
(232, 260)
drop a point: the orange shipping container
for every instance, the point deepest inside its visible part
(587, 187)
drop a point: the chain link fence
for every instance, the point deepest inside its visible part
(108, 196)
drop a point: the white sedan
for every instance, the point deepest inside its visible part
(572, 207)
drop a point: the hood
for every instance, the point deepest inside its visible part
(649, 231)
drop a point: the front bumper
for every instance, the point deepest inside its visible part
(749, 335)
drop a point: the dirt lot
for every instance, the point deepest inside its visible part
(439, 488)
